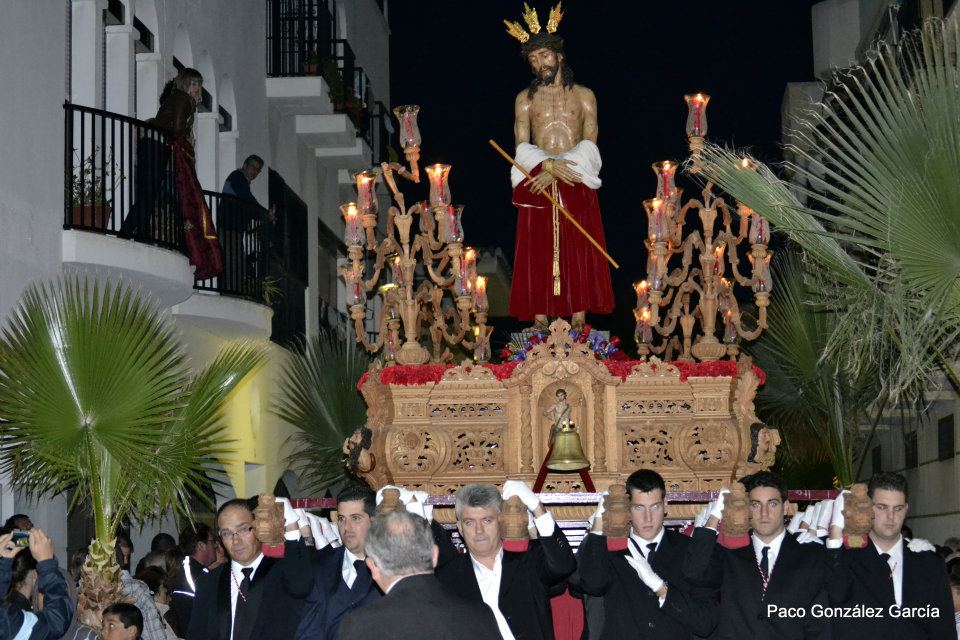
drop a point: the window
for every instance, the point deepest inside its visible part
(114, 13)
(226, 119)
(876, 459)
(910, 450)
(145, 43)
(945, 446)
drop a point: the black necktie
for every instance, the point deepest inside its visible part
(886, 562)
(651, 547)
(243, 616)
(765, 562)
(360, 566)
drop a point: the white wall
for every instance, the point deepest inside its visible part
(836, 34)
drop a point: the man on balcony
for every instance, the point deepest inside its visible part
(238, 182)
(238, 220)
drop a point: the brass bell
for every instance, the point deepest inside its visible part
(567, 454)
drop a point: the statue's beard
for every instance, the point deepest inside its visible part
(547, 75)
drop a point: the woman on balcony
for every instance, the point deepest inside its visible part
(157, 184)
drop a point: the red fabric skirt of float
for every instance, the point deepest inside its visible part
(584, 272)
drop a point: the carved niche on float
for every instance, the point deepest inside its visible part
(465, 425)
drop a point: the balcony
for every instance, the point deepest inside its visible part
(313, 77)
(122, 217)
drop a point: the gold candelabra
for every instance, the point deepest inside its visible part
(691, 293)
(420, 266)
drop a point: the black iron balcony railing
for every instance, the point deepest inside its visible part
(244, 231)
(119, 178)
(300, 36)
(380, 134)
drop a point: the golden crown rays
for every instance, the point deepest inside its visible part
(533, 23)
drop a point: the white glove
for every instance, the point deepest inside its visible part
(717, 510)
(599, 512)
(531, 523)
(646, 573)
(703, 515)
(417, 508)
(289, 515)
(807, 536)
(521, 490)
(316, 531)
(330, 532)
(815, 515)
(794, 525)
(420, 496)
(918, 545)
(405, 494)
(825, 516)
(836, 518)
(807, 517)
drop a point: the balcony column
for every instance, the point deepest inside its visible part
(86, 59)
(150, 80)
(121, 72)
(206, 130)
(227, 160)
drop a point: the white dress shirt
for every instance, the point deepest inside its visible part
(642, 544)
(235, 580)
(772, 552)
(347, 569)
(489, 583)
(896, 568)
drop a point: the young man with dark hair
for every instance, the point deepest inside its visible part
(769, 587)
(197, 543)
(643, 588)
(902, 583)
(252, 596)
(341, 579)
(122, 621)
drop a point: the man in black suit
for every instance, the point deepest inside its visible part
(515, 585)
(902, 582)
(342, 581)
(401, 556)
(768, 588)
(252, 596)
(643, 588)
(198, 545)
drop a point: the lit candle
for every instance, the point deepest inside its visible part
(366, 183)
(645, 333)
(480, 295)
(409, 131)
(762, 279)
(643, 293)
(653, 272)
(469, 264)
(452, 223)
(354, 287)
(353, 235)
(396, 272)
(657, 228)
(730, 329)
(696, 114)
(666, 180)
(481, 349)
(439, 184)
(718, 258)
(759, 229)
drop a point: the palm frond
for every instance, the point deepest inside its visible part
(319, 397)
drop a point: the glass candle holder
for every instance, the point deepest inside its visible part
(355, 293)
(353, 234)
(643, 293)
(666, 178)
(644, 332)
(366, 182)
(759, 229)
(658, 226)
(729, 328)
(762, 278)
(451, 223)
(439, 175)
(696, 114)
(409, 130)
(654, 277)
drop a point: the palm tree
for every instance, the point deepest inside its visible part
(319, 397)
(877, 166)
(97, 395)
(806, 393)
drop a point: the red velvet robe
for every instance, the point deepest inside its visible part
(584, 272)
(203, 247)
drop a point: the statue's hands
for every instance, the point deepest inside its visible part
(564, 170)
(539, 183)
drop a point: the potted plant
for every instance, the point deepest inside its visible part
(331, 75)
(91, 202)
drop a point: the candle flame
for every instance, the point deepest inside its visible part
(645, 314)
(481, 283)
(641, 286)
(352, 209)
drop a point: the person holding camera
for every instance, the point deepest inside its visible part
(53, 620)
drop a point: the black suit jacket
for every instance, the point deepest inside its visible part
(330, 600)
(183, 595)
(862, 577)
(798, 581)
(630, 607)
(277, 593)
(525, 583)
(416, 608)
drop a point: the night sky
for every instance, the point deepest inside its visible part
(455, 60)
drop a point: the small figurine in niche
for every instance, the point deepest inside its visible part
(560, 414)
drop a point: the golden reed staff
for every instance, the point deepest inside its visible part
(557, 205)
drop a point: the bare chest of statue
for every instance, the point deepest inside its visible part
(556, 119)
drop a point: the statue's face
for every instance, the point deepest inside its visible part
(766, 511)
(545, 64)
(561, 395)
(646, 512)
